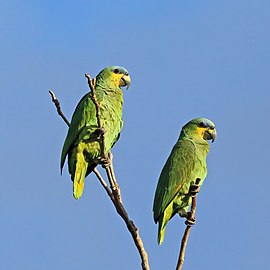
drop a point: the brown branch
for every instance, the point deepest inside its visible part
(103, 183)
(58, 107)
(189, 225)
(117, 200)
(115, 187)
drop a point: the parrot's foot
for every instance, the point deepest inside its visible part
(190, 221)
(194, 189)
(100, 132)
(105, 162)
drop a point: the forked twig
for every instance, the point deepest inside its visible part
(187, 230)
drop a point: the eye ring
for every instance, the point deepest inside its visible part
(202, 124)
(116, 71)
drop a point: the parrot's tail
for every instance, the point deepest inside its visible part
(78, 182)
(161, 230)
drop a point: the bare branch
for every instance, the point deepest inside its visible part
(103, 183)
(187, 230)
(58, 108)
(117, 201)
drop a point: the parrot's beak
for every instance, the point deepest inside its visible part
(210, 134)
(125, 81)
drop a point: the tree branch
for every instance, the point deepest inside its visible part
(187, 230)
(117, 201)
(58, 107)
(103, 183)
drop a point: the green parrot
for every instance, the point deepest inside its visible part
(82, 144)
(186, 163)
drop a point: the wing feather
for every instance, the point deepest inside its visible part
(84, 115)
(175, 172)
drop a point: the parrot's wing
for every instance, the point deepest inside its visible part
(175, 172)
(84, 112)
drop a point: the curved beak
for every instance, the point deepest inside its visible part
(125, 81)
(210, 134)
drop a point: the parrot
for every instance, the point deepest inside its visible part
(185, 164)
(82, 143)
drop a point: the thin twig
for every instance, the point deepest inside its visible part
(187, 230)
(117, 201)
(58, 107)
(103, 183)
(116, 187)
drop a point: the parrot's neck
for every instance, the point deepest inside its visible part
(108, 85)
(193, 136)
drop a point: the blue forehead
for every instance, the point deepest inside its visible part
(207, 122)
(122, 70)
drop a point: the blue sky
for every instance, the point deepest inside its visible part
(187, 59)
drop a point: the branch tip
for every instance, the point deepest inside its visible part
(52, 95)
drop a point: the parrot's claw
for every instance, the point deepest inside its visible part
(194, 189)
(190, 221)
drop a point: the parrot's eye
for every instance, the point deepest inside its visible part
(202, 124)
(116, 71)
(212, 127)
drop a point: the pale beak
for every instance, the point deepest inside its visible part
(210, 134)
(125, 81)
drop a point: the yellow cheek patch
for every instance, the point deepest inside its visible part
(116, 78)
(200, 131)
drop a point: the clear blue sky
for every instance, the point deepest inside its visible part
(187, 59)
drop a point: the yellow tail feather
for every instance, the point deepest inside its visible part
(78, 182)
(161, 234)
(78, 189)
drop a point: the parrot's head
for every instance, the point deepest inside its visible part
(202, 128)
(118, 76)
